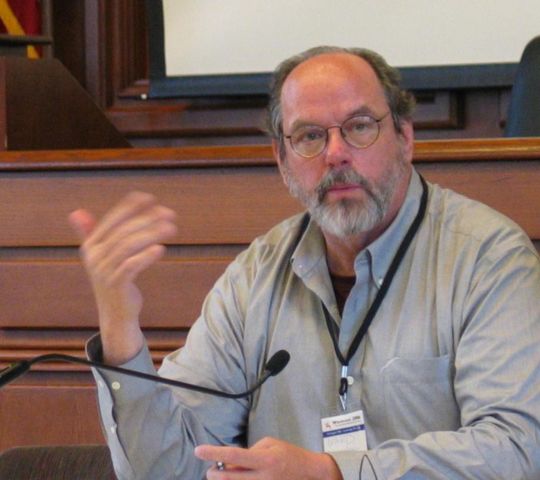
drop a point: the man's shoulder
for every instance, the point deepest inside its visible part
(287, 230)
(278, 241)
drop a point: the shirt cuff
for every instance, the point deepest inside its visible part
(122, 388)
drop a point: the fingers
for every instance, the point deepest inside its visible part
(82, 222)
(129, 208)
(127, 240)
(241, 458)
(125, 267)
(130, 247)
(269, 458)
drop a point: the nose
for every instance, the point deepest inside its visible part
(338, 151)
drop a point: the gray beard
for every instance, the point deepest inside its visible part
(347, 217)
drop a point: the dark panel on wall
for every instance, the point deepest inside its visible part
(105, 45)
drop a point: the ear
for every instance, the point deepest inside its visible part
(407, 140)
(280, 161)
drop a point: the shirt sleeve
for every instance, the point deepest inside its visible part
(357, 466)
(151, 428)
(496, 385)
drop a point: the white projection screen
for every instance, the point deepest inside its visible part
(229, 47)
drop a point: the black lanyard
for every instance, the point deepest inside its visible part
(333, 329)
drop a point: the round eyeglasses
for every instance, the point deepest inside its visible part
(359, 131)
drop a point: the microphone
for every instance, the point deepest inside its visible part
(275, 365)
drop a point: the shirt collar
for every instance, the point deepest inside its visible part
(310, 252)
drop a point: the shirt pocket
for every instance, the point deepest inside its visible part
(419, 395)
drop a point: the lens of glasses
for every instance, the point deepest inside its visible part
(309, 141)
(360, 132)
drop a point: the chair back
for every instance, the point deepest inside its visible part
(524, 111)
(66, 462)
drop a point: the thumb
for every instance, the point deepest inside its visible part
(83, 222)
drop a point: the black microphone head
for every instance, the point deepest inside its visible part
(277, 362)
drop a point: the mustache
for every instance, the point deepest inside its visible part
(349, 176)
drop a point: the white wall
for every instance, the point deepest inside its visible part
(247, 36)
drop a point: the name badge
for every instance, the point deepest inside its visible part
(344, 432)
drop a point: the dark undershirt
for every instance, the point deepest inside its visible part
(342, 288)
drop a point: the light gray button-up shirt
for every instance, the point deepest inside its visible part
(447, 375)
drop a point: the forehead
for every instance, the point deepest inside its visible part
(329, 87)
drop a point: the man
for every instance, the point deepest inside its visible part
(411, 314)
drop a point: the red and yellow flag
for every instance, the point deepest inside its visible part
(21, 17)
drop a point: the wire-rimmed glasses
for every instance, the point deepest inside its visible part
(359, 131)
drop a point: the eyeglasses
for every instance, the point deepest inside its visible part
(359, 131)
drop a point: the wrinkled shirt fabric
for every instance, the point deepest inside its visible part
(447, 375)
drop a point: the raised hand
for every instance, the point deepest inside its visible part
(114, 251)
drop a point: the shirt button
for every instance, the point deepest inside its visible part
(350, 380)
(115, 385)
(113, 429)
(380, 281)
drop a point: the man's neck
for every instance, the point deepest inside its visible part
(342, 251)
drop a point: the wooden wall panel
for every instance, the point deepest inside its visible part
(48, 415)
(249, 200)
(241, 195)
(224, 197)
(250, 197)
(57, 294)
(17, 344)
(509, 187)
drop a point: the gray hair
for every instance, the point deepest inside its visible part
(400, 102)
